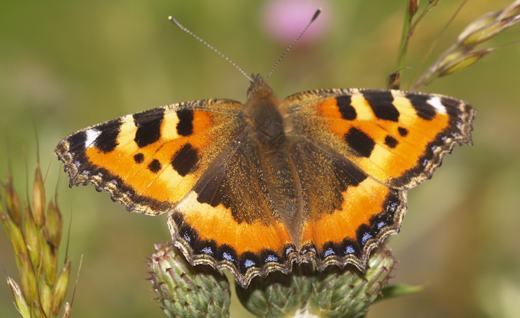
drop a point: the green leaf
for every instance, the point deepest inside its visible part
(399, 290)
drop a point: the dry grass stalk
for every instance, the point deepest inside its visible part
(35, 232)
(466, 50)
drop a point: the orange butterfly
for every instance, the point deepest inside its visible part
(320, 176)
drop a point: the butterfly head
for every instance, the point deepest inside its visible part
(258, 88)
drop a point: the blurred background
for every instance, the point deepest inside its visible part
(69, 64)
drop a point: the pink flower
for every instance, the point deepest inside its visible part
(283, 20)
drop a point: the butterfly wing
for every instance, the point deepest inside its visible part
(369, 147)
(396, 137)
(227, 221)
(150, 160)
(348, 213)
(352, 155)
(195, 161)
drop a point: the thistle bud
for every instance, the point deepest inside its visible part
(332, 293)
(350, 293)
(278, 295)
(185, 291)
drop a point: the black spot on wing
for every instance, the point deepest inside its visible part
(185, 159)
(107, 139)
(138, 158)
(421, 105)
(154, 166)
(382, 105)
(185, 124)
(345, 107)
(402, 131)
(148, 125)
(391, 141)
(360, 142)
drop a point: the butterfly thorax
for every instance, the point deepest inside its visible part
(263, 115)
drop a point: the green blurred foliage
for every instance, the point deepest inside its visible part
(69, 64)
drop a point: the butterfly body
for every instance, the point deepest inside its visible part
(319, 176)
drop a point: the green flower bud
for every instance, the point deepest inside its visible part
(347, 293)
(278, 295)
(186, 291)
(332, 293)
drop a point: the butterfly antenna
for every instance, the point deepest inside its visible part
(289, 48)
(211, 47)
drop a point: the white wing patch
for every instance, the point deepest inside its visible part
(92, 135)
(436, 102)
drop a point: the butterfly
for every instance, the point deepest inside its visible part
(320, 176)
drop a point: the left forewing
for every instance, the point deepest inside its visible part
(150, 160)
